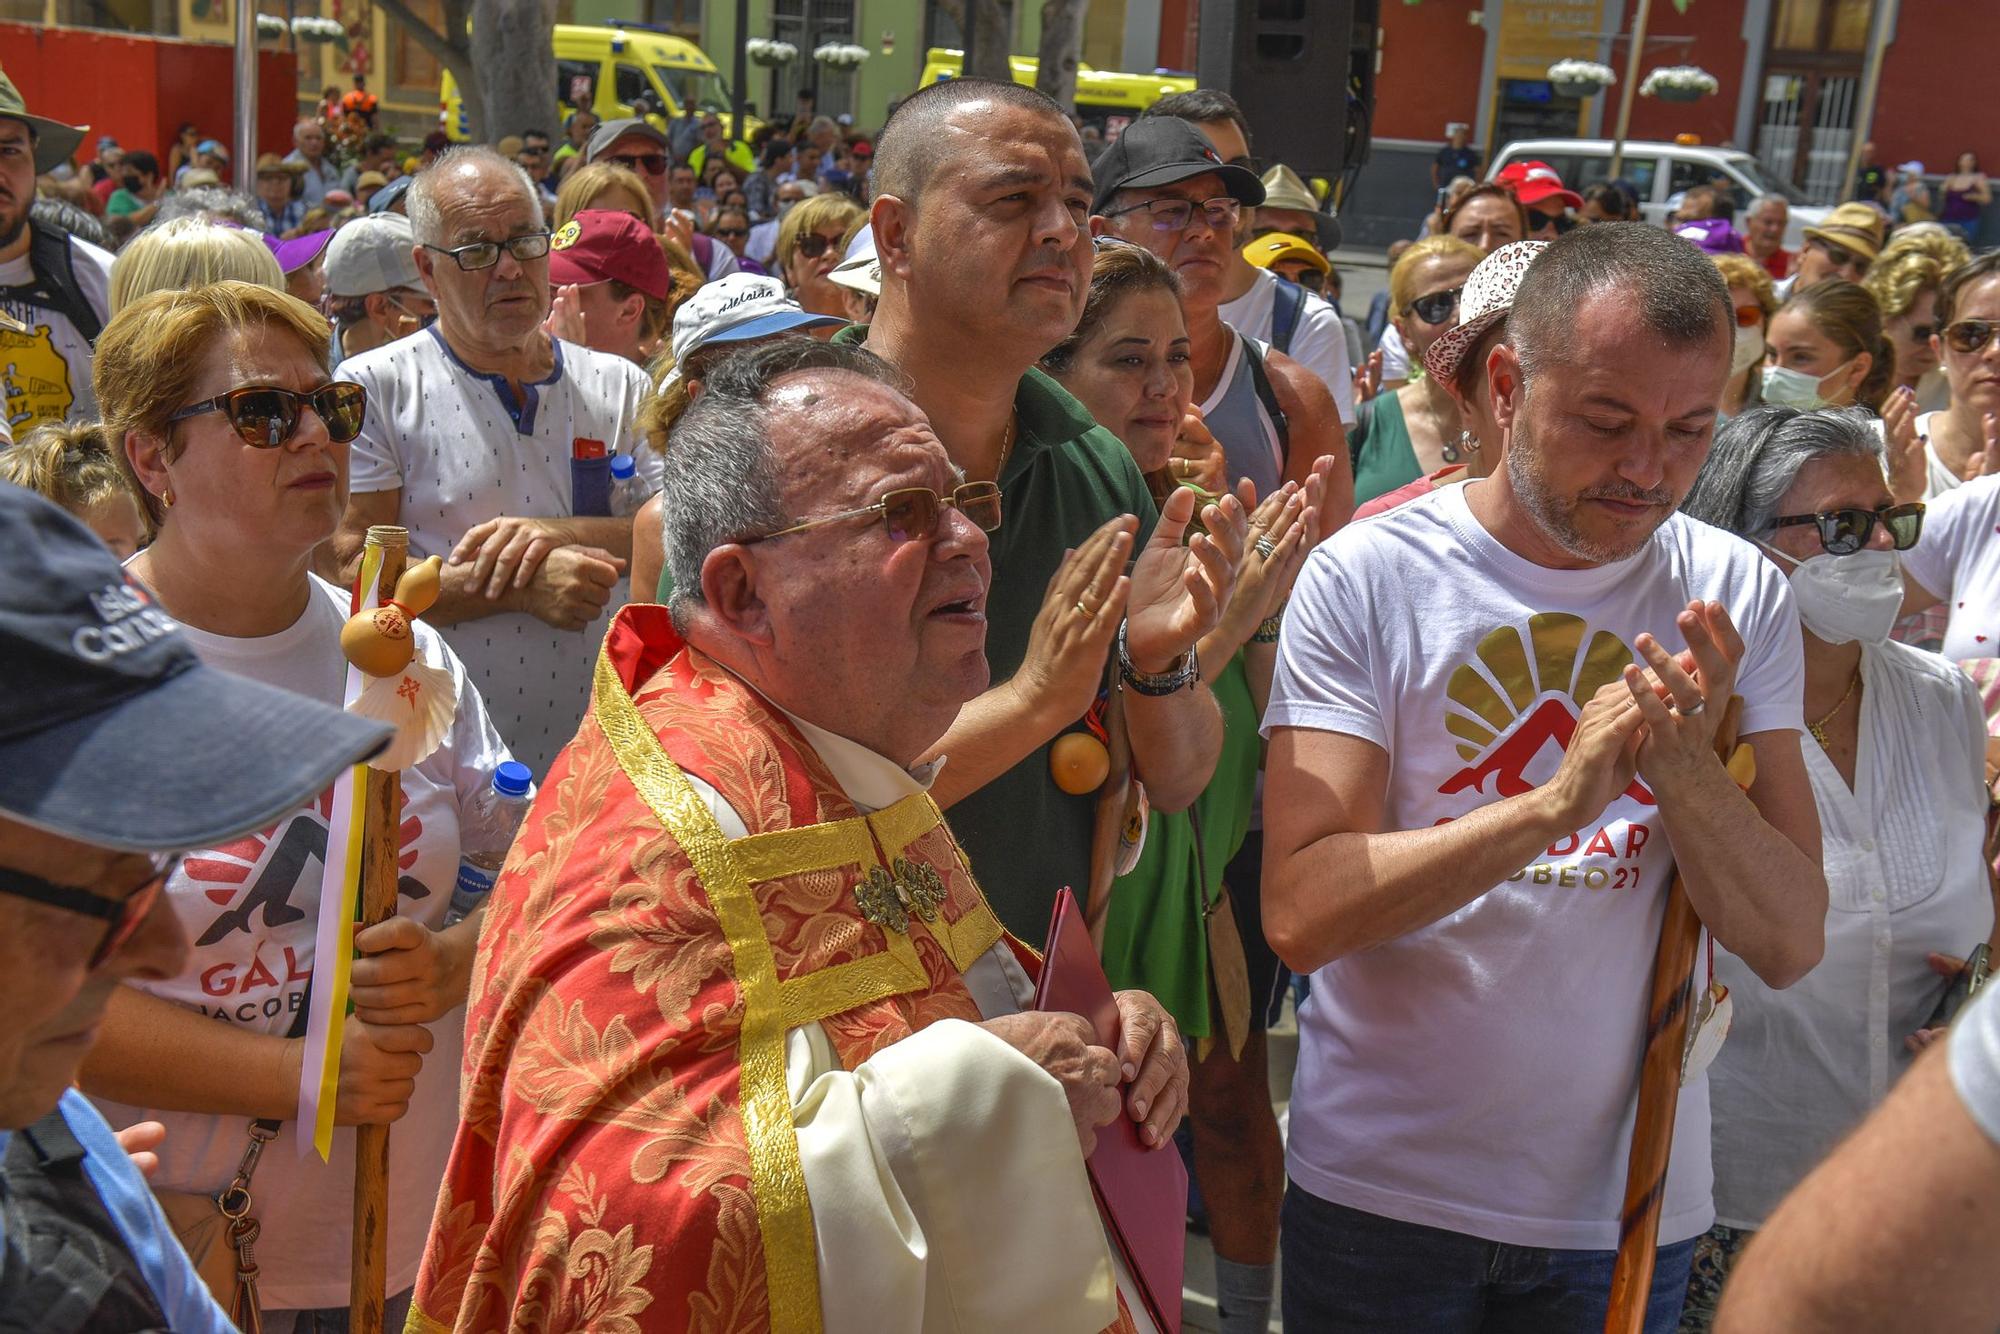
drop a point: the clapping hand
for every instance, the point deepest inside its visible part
(1986, 460)
(1178, 592)
(1681, 698)
(1909, 462)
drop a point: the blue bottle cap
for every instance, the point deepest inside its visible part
(513, 779)
(622, 466)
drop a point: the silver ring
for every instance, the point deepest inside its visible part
(1689, 713)
(1266, 547)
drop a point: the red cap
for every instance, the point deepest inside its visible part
(1535, 183)
(602, 244)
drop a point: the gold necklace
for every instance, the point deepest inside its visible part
(1007, 442)
(1818, 729)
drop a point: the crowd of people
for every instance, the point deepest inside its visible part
(861, 539)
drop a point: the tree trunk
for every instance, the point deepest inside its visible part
(994, 41)
(1060, 50)
(513, 46)
(452, 49)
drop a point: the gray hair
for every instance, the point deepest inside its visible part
(721, 483)
(1766, 199)
(1674, 291)
(422, 203)
(1757, 456)
(213, 202)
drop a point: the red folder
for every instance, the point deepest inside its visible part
(1141, 1192)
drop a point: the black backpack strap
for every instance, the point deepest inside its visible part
(53, 285)
(1260, 380)
(1286, 308)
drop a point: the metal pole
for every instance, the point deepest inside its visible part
(1631, 86)
(246, 96)
(1871, 83)
(970, 35)
(739, 74)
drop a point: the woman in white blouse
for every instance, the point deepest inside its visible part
(1897, 766)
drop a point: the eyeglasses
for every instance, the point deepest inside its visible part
(266, 416)
(911, 514)
(1844, 532)
(1563, 223)
(1437, 307)
(1841, 257)
(426, 318)
(647, 164)
(485, 254)
(731, 231)
(122, 918)
(1967, 336)
(812, 245)
(1750, 316)
(1174, 215)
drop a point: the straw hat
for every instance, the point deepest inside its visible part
(1855, 227)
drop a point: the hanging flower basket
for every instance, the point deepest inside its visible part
(311, 29)
(769, 53)
(271, 28)
(1580, 78)
(1679, 83)
(841, 55)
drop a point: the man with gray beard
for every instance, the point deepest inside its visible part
(1492, 736)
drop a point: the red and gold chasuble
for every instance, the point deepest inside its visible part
(627, 1160)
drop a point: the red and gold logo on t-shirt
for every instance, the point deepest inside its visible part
(1523, 695)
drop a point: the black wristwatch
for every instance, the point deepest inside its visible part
(1156, 683)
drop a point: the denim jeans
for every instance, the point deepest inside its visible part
(334, 1320)
(1349, 1272)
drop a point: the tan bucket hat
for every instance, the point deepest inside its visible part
(55, 142)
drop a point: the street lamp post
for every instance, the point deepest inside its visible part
(1631, 86)
(246, 95)
(739, 74)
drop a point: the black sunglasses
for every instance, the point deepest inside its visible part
(1437, 307)
(731, 231)
(266, 416)
(650, 164)
(121, 917)
(1844, 532)
(1968, 336)
(812, 245)
(485, 254)
(1841, 257)
(1564, 223)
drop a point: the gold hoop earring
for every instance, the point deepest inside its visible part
(167, 499)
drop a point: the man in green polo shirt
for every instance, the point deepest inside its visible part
(981, 222)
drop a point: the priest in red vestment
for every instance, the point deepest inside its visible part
(746, 1049)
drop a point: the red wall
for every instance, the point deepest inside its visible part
(1718, 47)
(140, 89)
(1429, 74)
(1936, 101)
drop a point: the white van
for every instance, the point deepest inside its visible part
(1661, 171)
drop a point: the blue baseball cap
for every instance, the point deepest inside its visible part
(737, 308)
(380, 201)
(113, 732)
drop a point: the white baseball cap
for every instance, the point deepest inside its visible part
(735, 309)
(859, 270)
(372, 254)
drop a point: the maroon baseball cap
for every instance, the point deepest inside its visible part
(599, 244)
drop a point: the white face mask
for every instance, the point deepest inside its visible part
(1847, 598)
(1747, 351)
(1795, 389)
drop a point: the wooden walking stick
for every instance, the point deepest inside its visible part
(380, 846)
(1659, 1087)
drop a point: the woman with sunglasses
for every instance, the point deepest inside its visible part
(1754, 298)
(227, 421)
(1904, 281)
(1895, 752)
(731, 226)
(1129, 363)
(1401, 436)
(811, 243)
(1967, 316)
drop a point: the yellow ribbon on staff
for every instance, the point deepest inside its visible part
(340, 883)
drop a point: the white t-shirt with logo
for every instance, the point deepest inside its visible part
(250, 909)
(45, 372)
(1319, 340)
(450, 438)
(1480, 1074)
(1958, 558)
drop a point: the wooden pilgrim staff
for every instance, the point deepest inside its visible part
(1660, 1084)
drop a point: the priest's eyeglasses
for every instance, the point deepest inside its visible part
(911, 514)
(122, 918)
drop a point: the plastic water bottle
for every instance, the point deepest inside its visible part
(628, 490)
(485, 832)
